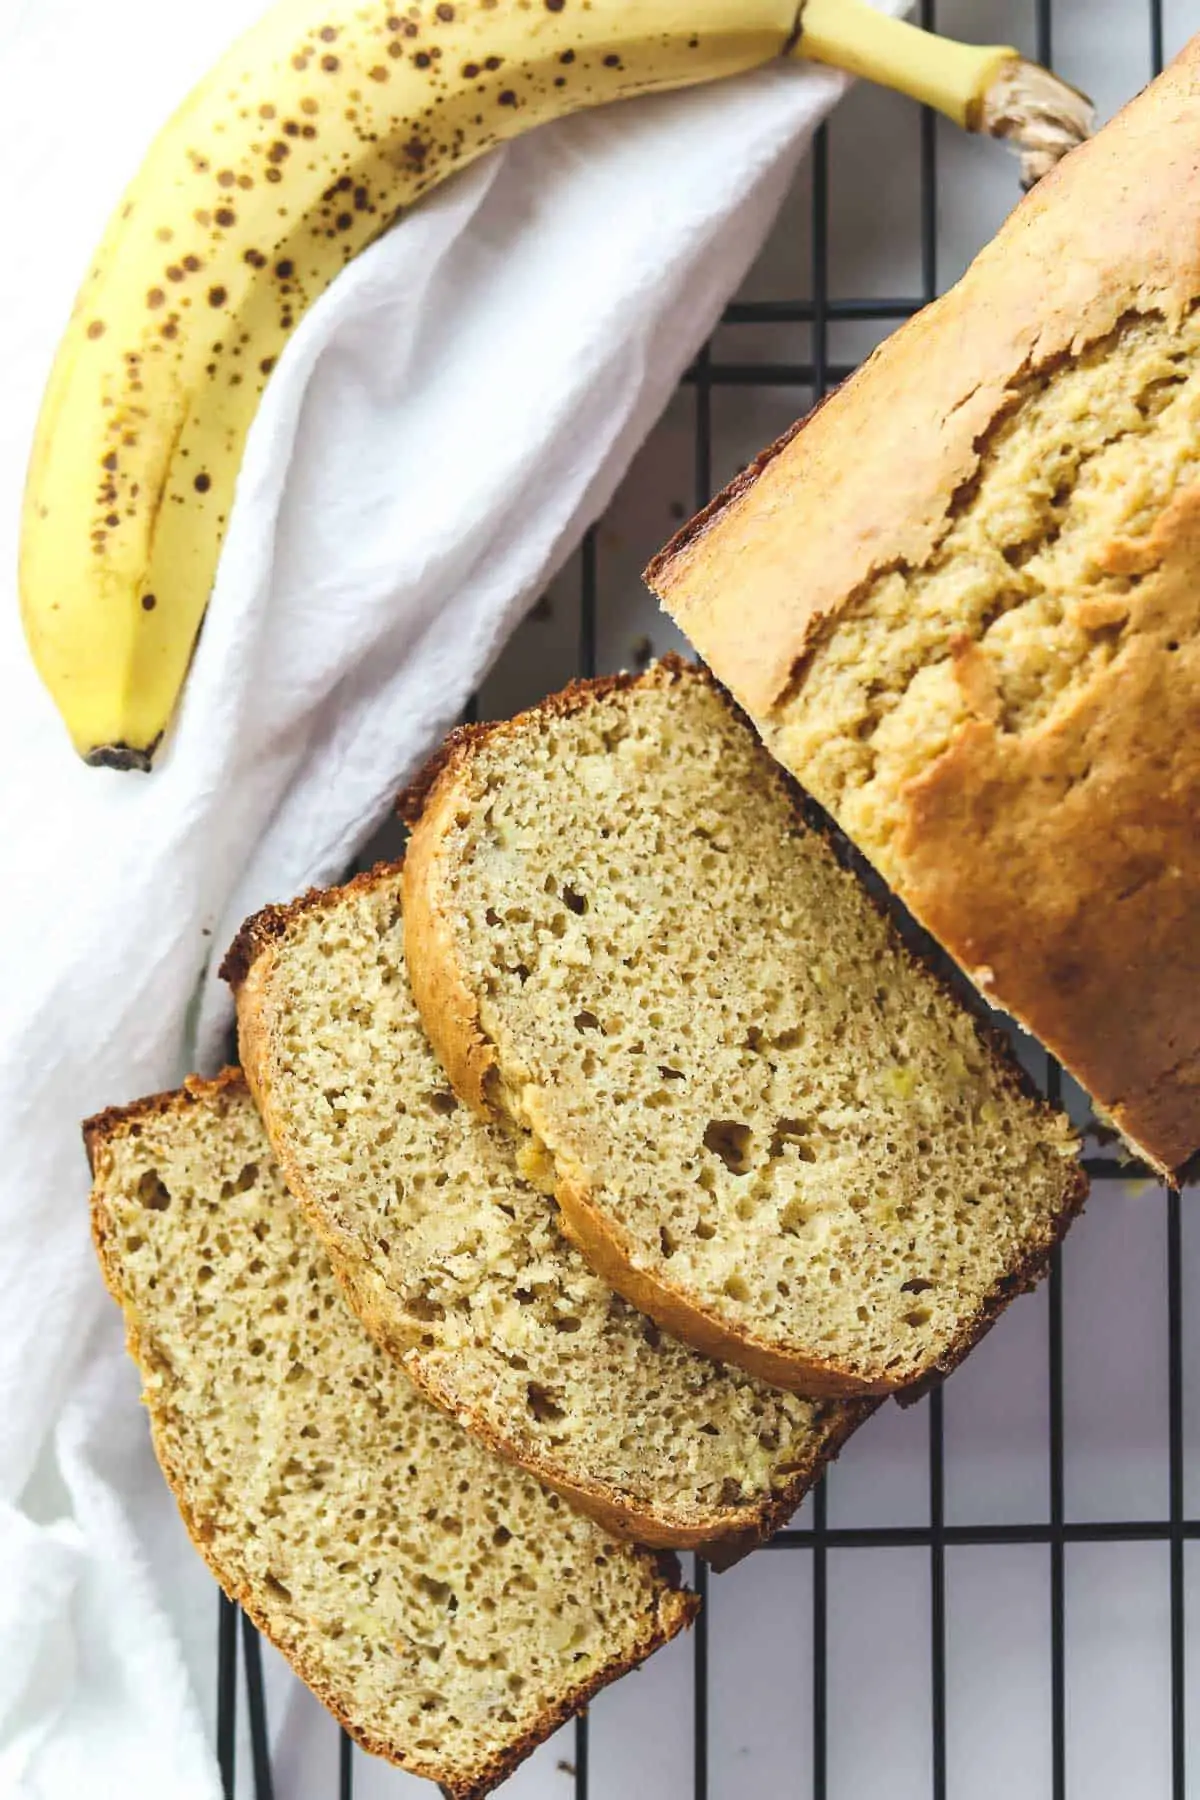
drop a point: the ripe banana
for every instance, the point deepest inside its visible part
(300, 147)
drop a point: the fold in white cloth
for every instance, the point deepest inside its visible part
(444, 426)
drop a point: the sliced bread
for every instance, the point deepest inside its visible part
(449, 1610)
(455, 1262)
(771, 1127)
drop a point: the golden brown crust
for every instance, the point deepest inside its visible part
(128, 1119)
(438, 988)
(720, 1536)
(450, 1014)
(1064, 860)
(267, 926)
(676, 1610)
(448, 1008)
(714, 1533)
(673, 1310)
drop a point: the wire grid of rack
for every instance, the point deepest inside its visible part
(817, 1538)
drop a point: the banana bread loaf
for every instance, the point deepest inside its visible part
(961, 603)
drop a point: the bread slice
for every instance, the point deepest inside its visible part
(771, 1127)
(449, 1610)
(456, 1264)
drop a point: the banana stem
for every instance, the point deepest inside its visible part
(850, 35)
(982, 87)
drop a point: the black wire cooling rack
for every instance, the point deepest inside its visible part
(815, 1541)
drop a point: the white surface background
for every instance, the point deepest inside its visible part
(760, 1636)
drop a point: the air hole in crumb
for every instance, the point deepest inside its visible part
(915, 1286)
(440, 1591)
(668, 1242)
(793, 1132)
(576, 902)
(920, 1315)
(274, 1586)
(730, 1141)
(670, 1074)
(542, 1404)
(586, 1021)
(152, 1193)
(443, 1101)
(420, 1307)
(705, 1231)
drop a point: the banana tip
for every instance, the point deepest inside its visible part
(121, 756)
(1039, 115)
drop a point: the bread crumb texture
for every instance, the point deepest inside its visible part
(778, 1112)
(462, 1266)
(1028, 594)
(447, 1607)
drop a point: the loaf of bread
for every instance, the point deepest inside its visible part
(962, 605)
(444, 1605)
(456, 1264)
(769, 1126)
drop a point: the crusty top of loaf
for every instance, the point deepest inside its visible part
(770, 1126)
(1111, 231)
(960, 603)
(448, 1609)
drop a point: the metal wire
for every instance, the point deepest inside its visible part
(227, 1617)
(821, 376)
(256, 1705)
(1057, 1534)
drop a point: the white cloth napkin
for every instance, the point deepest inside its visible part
(445, 425)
